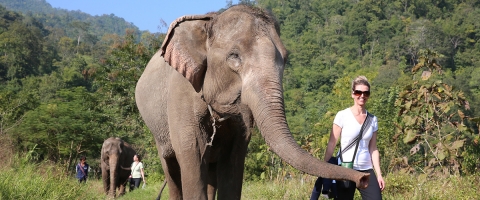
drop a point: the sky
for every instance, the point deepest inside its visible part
(145, 14)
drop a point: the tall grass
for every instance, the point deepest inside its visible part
(25, 180)
(398, 187)
(41, 181)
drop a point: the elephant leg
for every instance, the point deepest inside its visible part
(230, 166)
(106, 180)
(172, 176)
(192, 158)
(212, 181)
(121, 190)
(194, 179)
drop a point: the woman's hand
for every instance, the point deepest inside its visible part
(381, 183)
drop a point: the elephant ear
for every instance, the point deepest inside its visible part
(184, 47)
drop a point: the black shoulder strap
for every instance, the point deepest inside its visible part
(365, 125)
(81, 168)
(131, 172)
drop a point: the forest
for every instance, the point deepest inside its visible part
(67, 82)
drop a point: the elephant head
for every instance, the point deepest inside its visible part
(236, 60)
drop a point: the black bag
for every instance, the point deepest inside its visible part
(325, 186)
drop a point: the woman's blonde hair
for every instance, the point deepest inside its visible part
(360, 80)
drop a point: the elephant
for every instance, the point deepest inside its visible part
(216, 77)
(116, 160)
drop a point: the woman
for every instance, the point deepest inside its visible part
(346, 126)
(137, 173)
(82, 170)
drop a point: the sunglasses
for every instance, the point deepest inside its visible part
(359, 93)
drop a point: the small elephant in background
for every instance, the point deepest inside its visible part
(116, 159)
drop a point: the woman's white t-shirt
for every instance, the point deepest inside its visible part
(136, 170)
(350, 130)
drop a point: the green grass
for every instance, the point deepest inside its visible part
(23, 180)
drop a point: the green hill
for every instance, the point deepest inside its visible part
(63, 19)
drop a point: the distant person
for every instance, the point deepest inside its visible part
(82, 170)
(137, 173)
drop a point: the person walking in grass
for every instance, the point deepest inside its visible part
(82, 170)
(137, 173)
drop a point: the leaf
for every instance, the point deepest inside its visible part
(409, 121)
(440, 89)
(441, 155)
(405, 160)
(398, 102)
(259, 155)
(418, 66)
(445, 107)
(426, 75)
(457, 144)
(409, 137)
(475, 119)
(408, 105)
(402, 94)
(406, 120)
(461, 127)
(461, 114)
(420, 93)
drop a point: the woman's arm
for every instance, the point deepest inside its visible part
(332, 142)
(143, 176)
(372, 147)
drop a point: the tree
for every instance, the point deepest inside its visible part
(64, 127)
(115, 80)
(433, 120)
(21, 50)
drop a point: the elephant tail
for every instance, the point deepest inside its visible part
(161, 189)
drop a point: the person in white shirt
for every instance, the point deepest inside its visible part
(346, 126)
(137, 173)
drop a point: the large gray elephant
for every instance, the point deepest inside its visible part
(116, 160)
(214, 78)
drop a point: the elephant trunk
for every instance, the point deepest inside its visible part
(113, 162)
(268, 111)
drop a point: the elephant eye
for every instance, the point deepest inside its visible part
(234, 60)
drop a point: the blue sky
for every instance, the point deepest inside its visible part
(145, 14)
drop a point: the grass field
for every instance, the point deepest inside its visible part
(23, 180)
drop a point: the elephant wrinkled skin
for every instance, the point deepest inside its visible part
(234, 61)
(116, 160)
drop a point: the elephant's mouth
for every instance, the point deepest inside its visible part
(228, 109)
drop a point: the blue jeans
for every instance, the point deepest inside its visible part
(83, 179)
(134, 183)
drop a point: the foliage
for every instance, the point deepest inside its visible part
(433, 119)
(62, 129)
